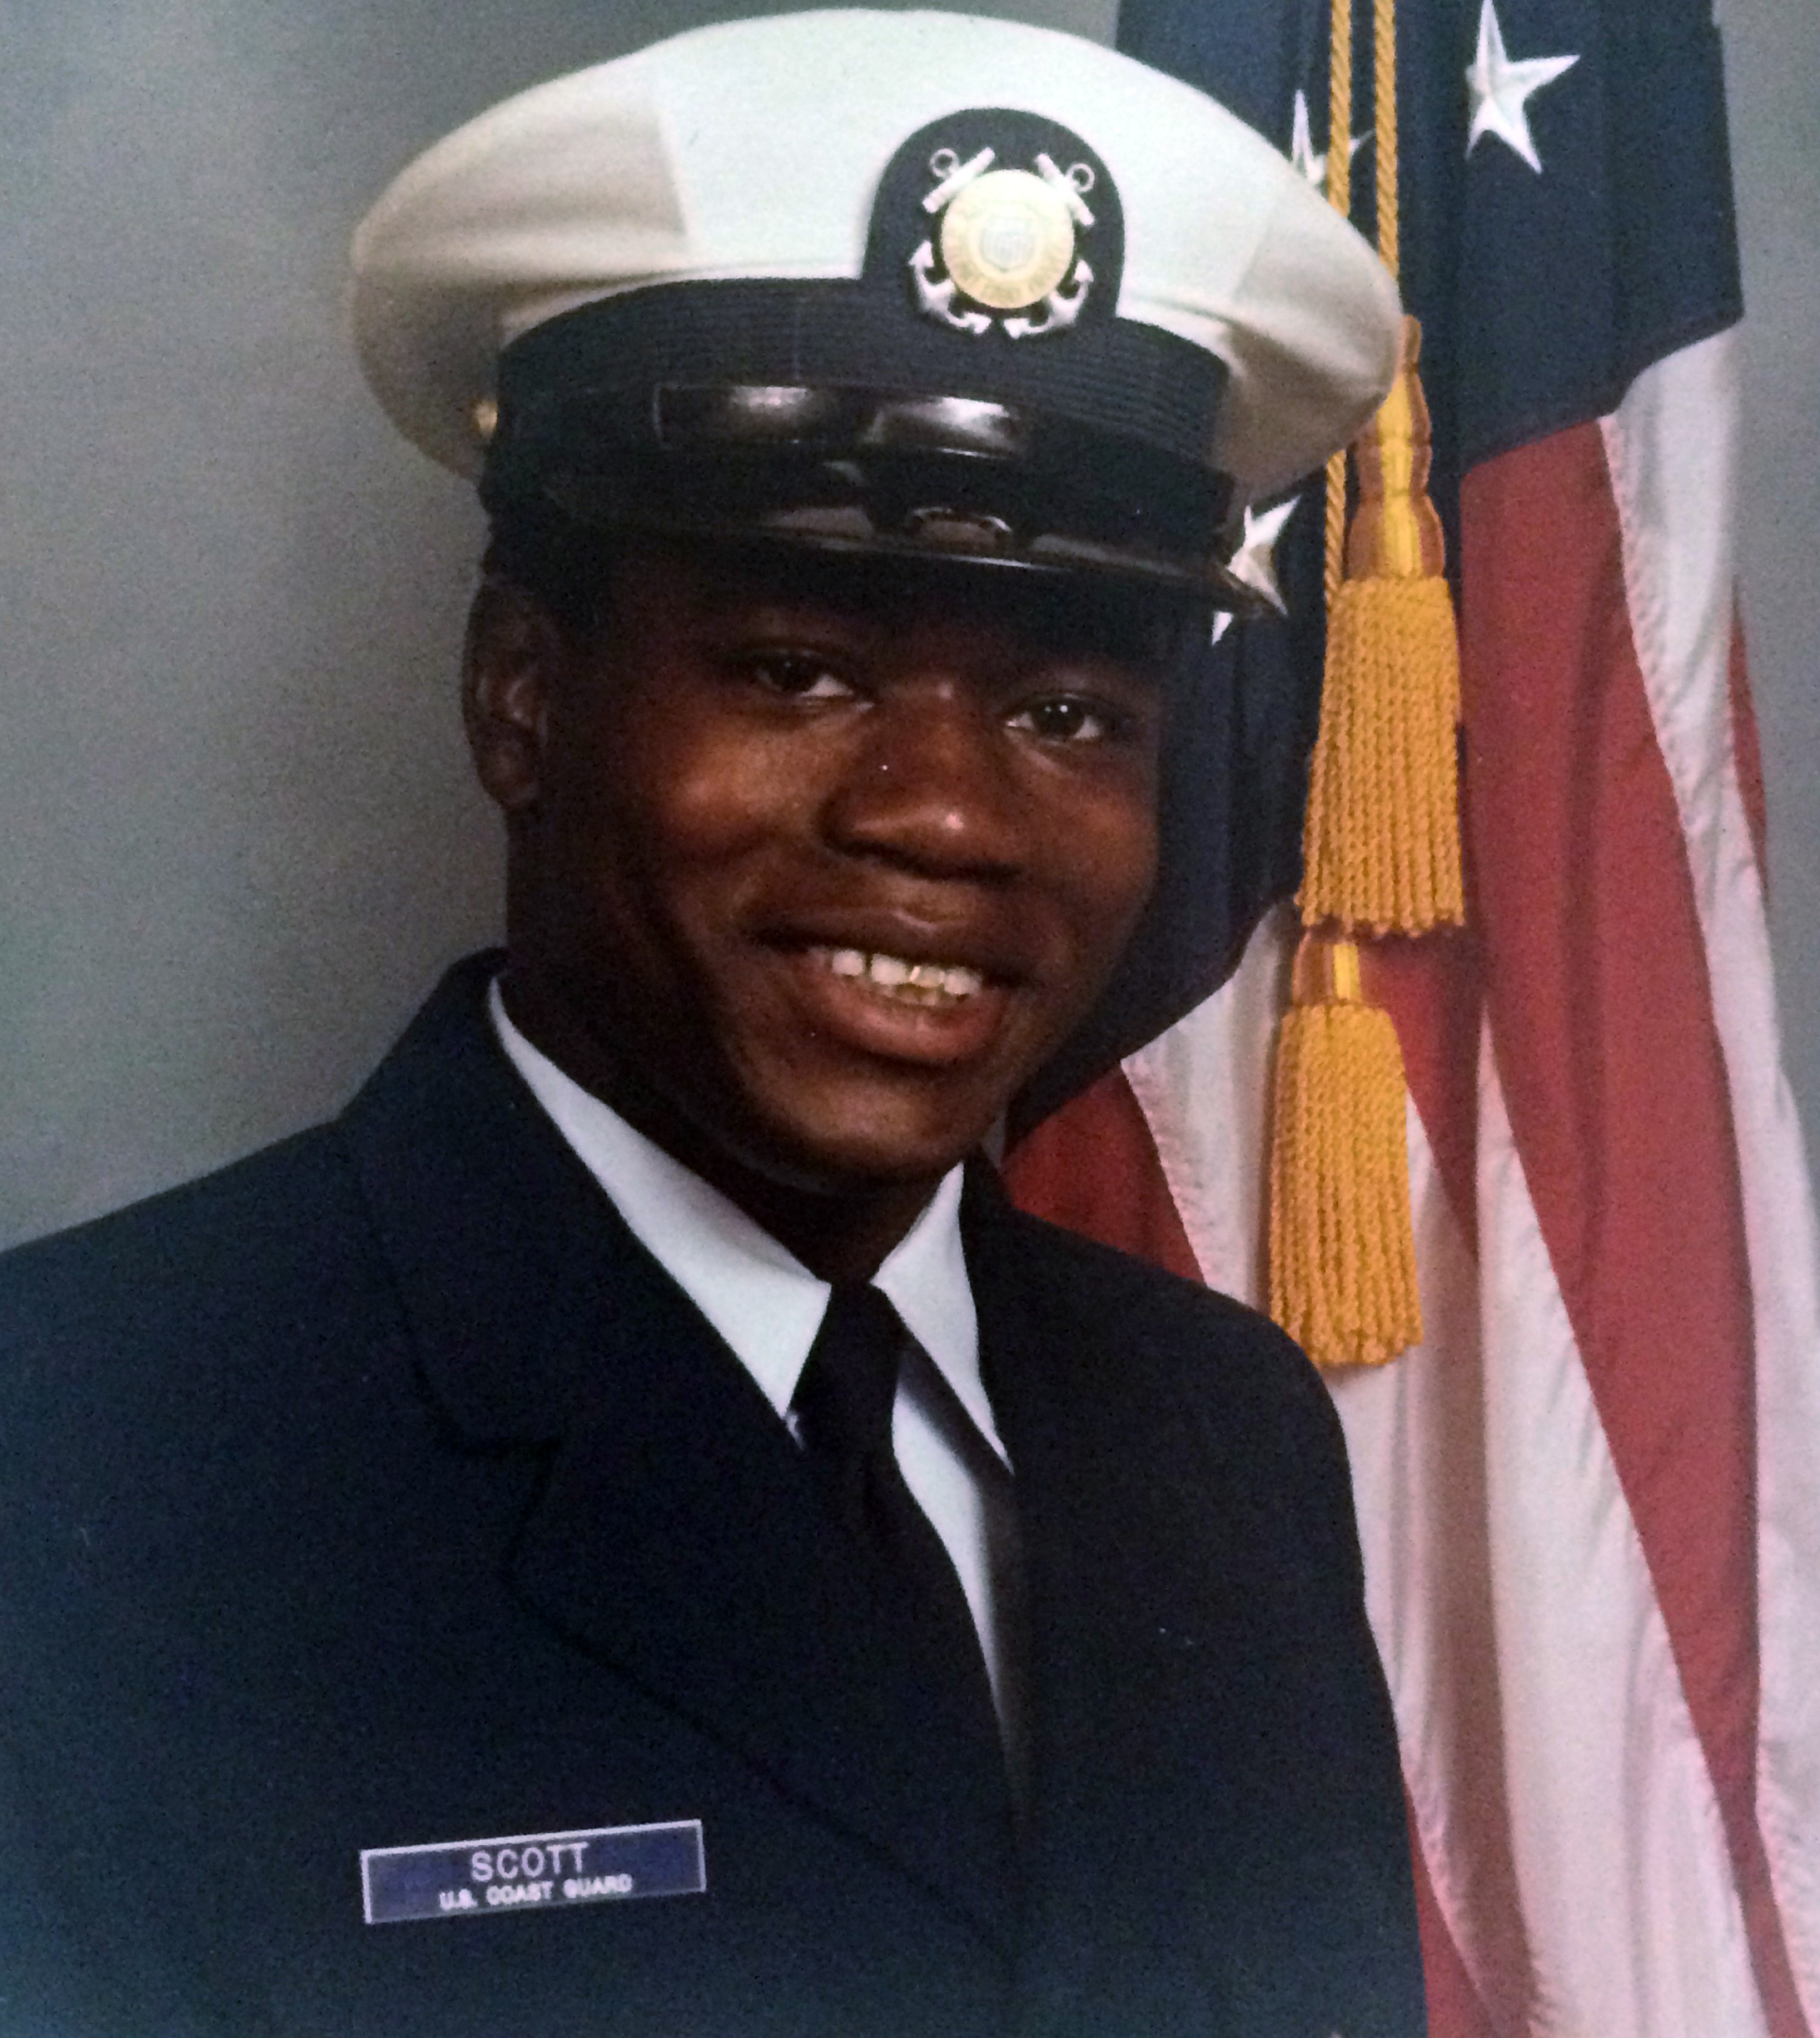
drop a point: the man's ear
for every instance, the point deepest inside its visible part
(514, 654)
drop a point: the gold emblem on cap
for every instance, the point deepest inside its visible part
(1008, 240)
(1008, 246)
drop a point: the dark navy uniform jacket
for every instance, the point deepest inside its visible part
(381, 1490)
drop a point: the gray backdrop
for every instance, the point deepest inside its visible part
(237, 838)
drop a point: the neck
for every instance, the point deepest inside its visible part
(841, 1235)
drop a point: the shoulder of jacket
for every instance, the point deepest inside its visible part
(1215, 1338)
(211, 1259)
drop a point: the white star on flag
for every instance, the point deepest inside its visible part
(1499, 88)
(1255, 562)
(1301, 146)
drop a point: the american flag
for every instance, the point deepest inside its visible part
(1590, 1499)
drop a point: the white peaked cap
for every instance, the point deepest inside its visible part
(755, 150)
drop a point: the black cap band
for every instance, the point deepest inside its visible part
(786, 408)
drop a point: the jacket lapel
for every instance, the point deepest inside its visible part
(678, 1538)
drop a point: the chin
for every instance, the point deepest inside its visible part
(870, 1144)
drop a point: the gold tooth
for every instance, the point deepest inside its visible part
(923, 983)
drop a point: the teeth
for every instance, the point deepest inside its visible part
(919, 983)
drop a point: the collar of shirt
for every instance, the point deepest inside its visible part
(763, 1300)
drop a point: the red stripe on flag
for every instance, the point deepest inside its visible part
(1455, 2010)
(1433, 991)
(1747, 752)
(1093, 1166)
(1602, 1023)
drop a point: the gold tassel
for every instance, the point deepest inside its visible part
(1342, 1249)
(1381, 840)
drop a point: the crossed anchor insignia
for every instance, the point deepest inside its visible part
(1007, 242)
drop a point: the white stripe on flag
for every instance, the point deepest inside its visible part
(1672, 450)
(1415, 1440)
(1204, 1089)
(1635, 1925)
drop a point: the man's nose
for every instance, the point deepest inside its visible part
(930, 787)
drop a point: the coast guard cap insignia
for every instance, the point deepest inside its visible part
(1008, 242)
(1009, 229)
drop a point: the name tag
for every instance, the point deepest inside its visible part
(532, 1872)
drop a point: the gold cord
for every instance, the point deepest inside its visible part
(1339, 197)
(1383, 71)
(1340, 112)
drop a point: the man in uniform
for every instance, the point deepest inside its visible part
(625, 1530)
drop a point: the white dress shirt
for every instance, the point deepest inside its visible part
(767, 1307)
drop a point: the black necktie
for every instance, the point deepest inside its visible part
(842, 1405)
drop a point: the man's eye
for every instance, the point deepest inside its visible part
(798, 676)
(1069, 719)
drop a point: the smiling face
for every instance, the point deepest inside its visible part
(814, 861)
